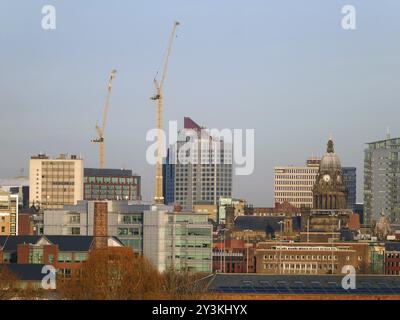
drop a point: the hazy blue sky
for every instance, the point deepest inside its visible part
(285, 68)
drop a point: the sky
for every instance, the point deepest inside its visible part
(286, 69)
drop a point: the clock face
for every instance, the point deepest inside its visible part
(326, 177)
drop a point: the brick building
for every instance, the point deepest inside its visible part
(65, 253)
(234, 256)
(392, 258)
(310, 258)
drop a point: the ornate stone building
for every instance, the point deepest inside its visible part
(329, 190)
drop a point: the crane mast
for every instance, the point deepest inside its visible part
(100, 129)
(158, 97)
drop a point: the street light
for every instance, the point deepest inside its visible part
(247, 258)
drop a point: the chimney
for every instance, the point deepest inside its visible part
(100, 225)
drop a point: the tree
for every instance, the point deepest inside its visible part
(8, 283)
(182, 285)
(113, 274)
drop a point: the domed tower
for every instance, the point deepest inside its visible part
(329, 190)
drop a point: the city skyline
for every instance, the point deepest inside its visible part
(54, 88)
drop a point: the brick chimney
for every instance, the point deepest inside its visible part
(100, 225)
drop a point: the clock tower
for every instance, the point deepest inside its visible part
(329, 191)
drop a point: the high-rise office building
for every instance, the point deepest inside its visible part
(168, 180)
(350, 180)
(294, 184)
(382, 180)
(8, 214)
(111, 184)
(54, 183)
(206, 173)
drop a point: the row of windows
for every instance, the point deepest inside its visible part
(295, 177)
(293, 194)
(286, 188)
(293, 200)
(295, 182)
(110, 180)
(297, 170)
(299, 266)
(298, 257)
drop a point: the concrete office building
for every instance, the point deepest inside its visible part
(8, 214)
(111, 184)
(124, 220)
(177, 240)
(382, 180)
(294, 184)
(206, 176)
(19, 186)
(55, 182)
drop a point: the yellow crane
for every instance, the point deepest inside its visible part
(158, 97)
(100, 129)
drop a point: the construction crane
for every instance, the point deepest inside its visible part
(158, 97)
(100, 129)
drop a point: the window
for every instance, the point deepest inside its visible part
(64, 257)
(35, 254)
(75, 231)
(75, 218)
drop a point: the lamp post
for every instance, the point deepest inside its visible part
(247, 255)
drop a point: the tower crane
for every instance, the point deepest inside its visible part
(100, 129)
(158, 97)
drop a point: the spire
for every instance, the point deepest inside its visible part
(330, 149)
(388, 133)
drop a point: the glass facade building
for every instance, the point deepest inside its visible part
(350, 180)
(382, 180)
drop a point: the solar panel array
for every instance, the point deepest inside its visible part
(296, 284)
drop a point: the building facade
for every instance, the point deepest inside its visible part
(206, 173)
(55, 182)
(168, 180)
(310, 258)
(392, 258)
(8, 214)
(19, 186)
(111, 184)
(181, 241)
(124, 220)
(350, 181)
(294, 184)
(65, 253)
(382, 180)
